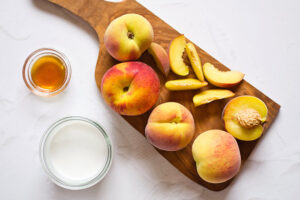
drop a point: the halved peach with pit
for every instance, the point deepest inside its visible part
(219, 78)
(244, 117)
(176, 50)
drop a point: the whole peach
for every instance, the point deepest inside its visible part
(130, 88)
(170, 127)
(128, 36)
(217, 156)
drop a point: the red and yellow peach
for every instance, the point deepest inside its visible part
(128, 36)
(130, 88)
(170, 127)
(217, 156)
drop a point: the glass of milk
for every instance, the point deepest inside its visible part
(76, 153)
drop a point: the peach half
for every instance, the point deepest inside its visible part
(208, 96)
(130, 88)
(176, 50)
(170, 127)
(217, 156)
(161, 57)
(244, 117)
(222, 79)
(185, 84)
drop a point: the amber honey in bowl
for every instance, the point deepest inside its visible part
(46, 72)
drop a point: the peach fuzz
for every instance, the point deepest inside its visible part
(161, 57)
(130, 88)
(170, 127)
(128, 36)
(217, 156)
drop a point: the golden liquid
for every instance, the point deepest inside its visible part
(48, 72)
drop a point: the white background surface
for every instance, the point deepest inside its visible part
(259, 38)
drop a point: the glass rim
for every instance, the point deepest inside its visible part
(90, 182)
(29, 63)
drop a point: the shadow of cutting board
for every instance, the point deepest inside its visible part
(99, 13)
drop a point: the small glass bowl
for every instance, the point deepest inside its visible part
(32, 58)
(58, 181)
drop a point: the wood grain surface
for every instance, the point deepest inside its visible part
(99, 13)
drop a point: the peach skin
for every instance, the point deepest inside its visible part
(128, 36)
(217, 156)
(130, 88)
(161, 57)
(170, 127)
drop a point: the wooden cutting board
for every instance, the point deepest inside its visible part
(99, 13)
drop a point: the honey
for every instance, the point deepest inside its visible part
(48, 72)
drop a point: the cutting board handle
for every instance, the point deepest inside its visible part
(98, 13)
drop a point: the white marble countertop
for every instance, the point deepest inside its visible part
(259, 38)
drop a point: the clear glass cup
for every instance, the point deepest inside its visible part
(32, 58)
(50, 172)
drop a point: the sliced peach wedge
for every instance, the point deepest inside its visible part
(176, 50)
(184, 84)
(161, 57)
(222, 79)
(195, 60)
(208, 96)
(244, 117)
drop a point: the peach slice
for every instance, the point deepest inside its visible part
(185, 84)
(221, 78)
(243, 117)
(208, 96)
(161, 57)
(195, 60)
(176, 51)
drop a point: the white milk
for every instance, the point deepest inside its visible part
(76, 152)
